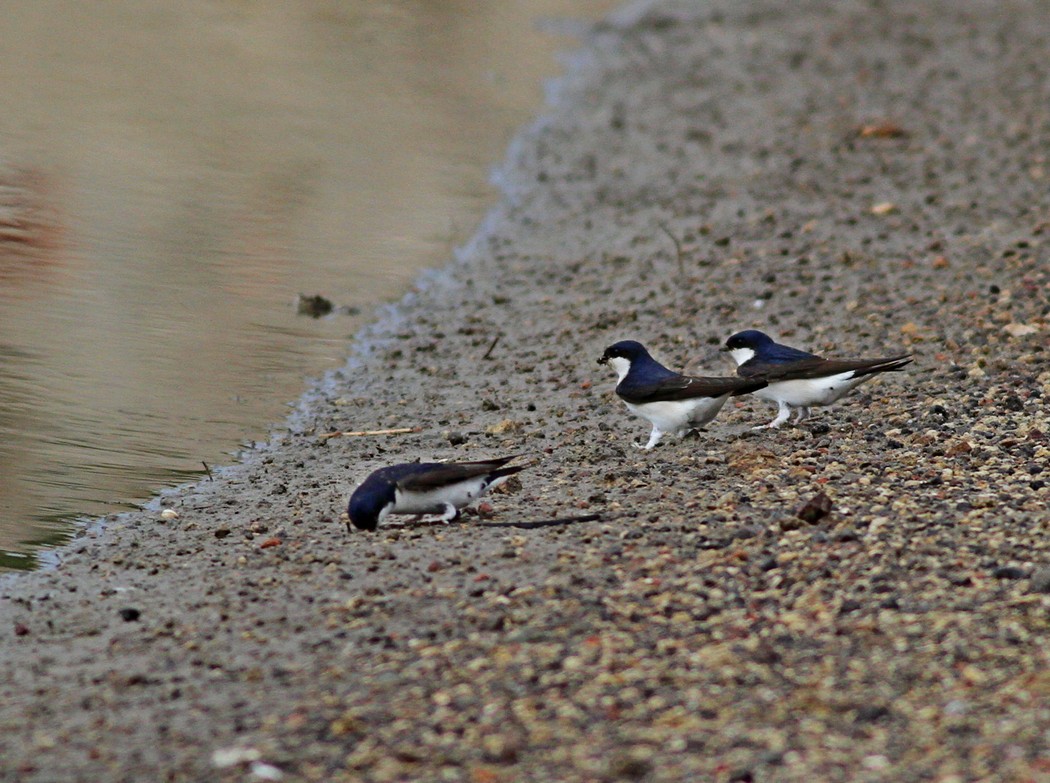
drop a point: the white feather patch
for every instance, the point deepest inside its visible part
(434, 501)
(812, 391)
(741, 355)
(679, 416)
(621, 365)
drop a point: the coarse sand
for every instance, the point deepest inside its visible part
(855, 178)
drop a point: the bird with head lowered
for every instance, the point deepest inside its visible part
(425, 488)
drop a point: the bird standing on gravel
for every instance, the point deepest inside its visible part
(671, 402)
(799, 380)
(425, 488)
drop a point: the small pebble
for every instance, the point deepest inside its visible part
(815, 509)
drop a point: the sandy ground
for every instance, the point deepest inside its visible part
(857, 178)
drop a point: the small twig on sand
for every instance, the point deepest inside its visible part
(677, 247)
(364, 433)
(492, 347)
(207, 470)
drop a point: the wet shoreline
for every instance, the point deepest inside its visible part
(157, 222)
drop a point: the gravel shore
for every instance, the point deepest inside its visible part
(856, 178)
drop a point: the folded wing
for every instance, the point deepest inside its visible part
(684, 387)
(817, 367)
(437, 476)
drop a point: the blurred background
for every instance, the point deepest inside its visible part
(174, 172)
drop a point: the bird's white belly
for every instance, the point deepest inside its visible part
(678, 415)
(434, 501)
(811, 391)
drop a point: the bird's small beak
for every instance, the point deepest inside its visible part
(724, 349)
(603, 360)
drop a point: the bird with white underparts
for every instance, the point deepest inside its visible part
(798, 380)
(668, 400)
(425, 488)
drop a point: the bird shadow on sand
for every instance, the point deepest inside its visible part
(534, 524)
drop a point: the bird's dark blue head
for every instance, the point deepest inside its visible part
(749, 338)
(369, 500)
(753, 344)
(631, 350)
(630, 357)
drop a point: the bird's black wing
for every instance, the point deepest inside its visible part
(781, 370)
(817, 367)
(442, 474)
(870, 366)
(685, 387)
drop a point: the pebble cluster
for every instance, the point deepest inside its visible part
(864, 597)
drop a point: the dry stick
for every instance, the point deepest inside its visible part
(677, 247)
(207, 469)
(492, 347)
(363, 433)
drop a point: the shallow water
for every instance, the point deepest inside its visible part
(173, 174)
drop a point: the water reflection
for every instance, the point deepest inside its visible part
(172, 174)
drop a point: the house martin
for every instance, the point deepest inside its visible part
(799, 380)
(671, 402)
(425, 488)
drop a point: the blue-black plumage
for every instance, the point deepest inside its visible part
(668, 400)
(797, 380)
(425, 488)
